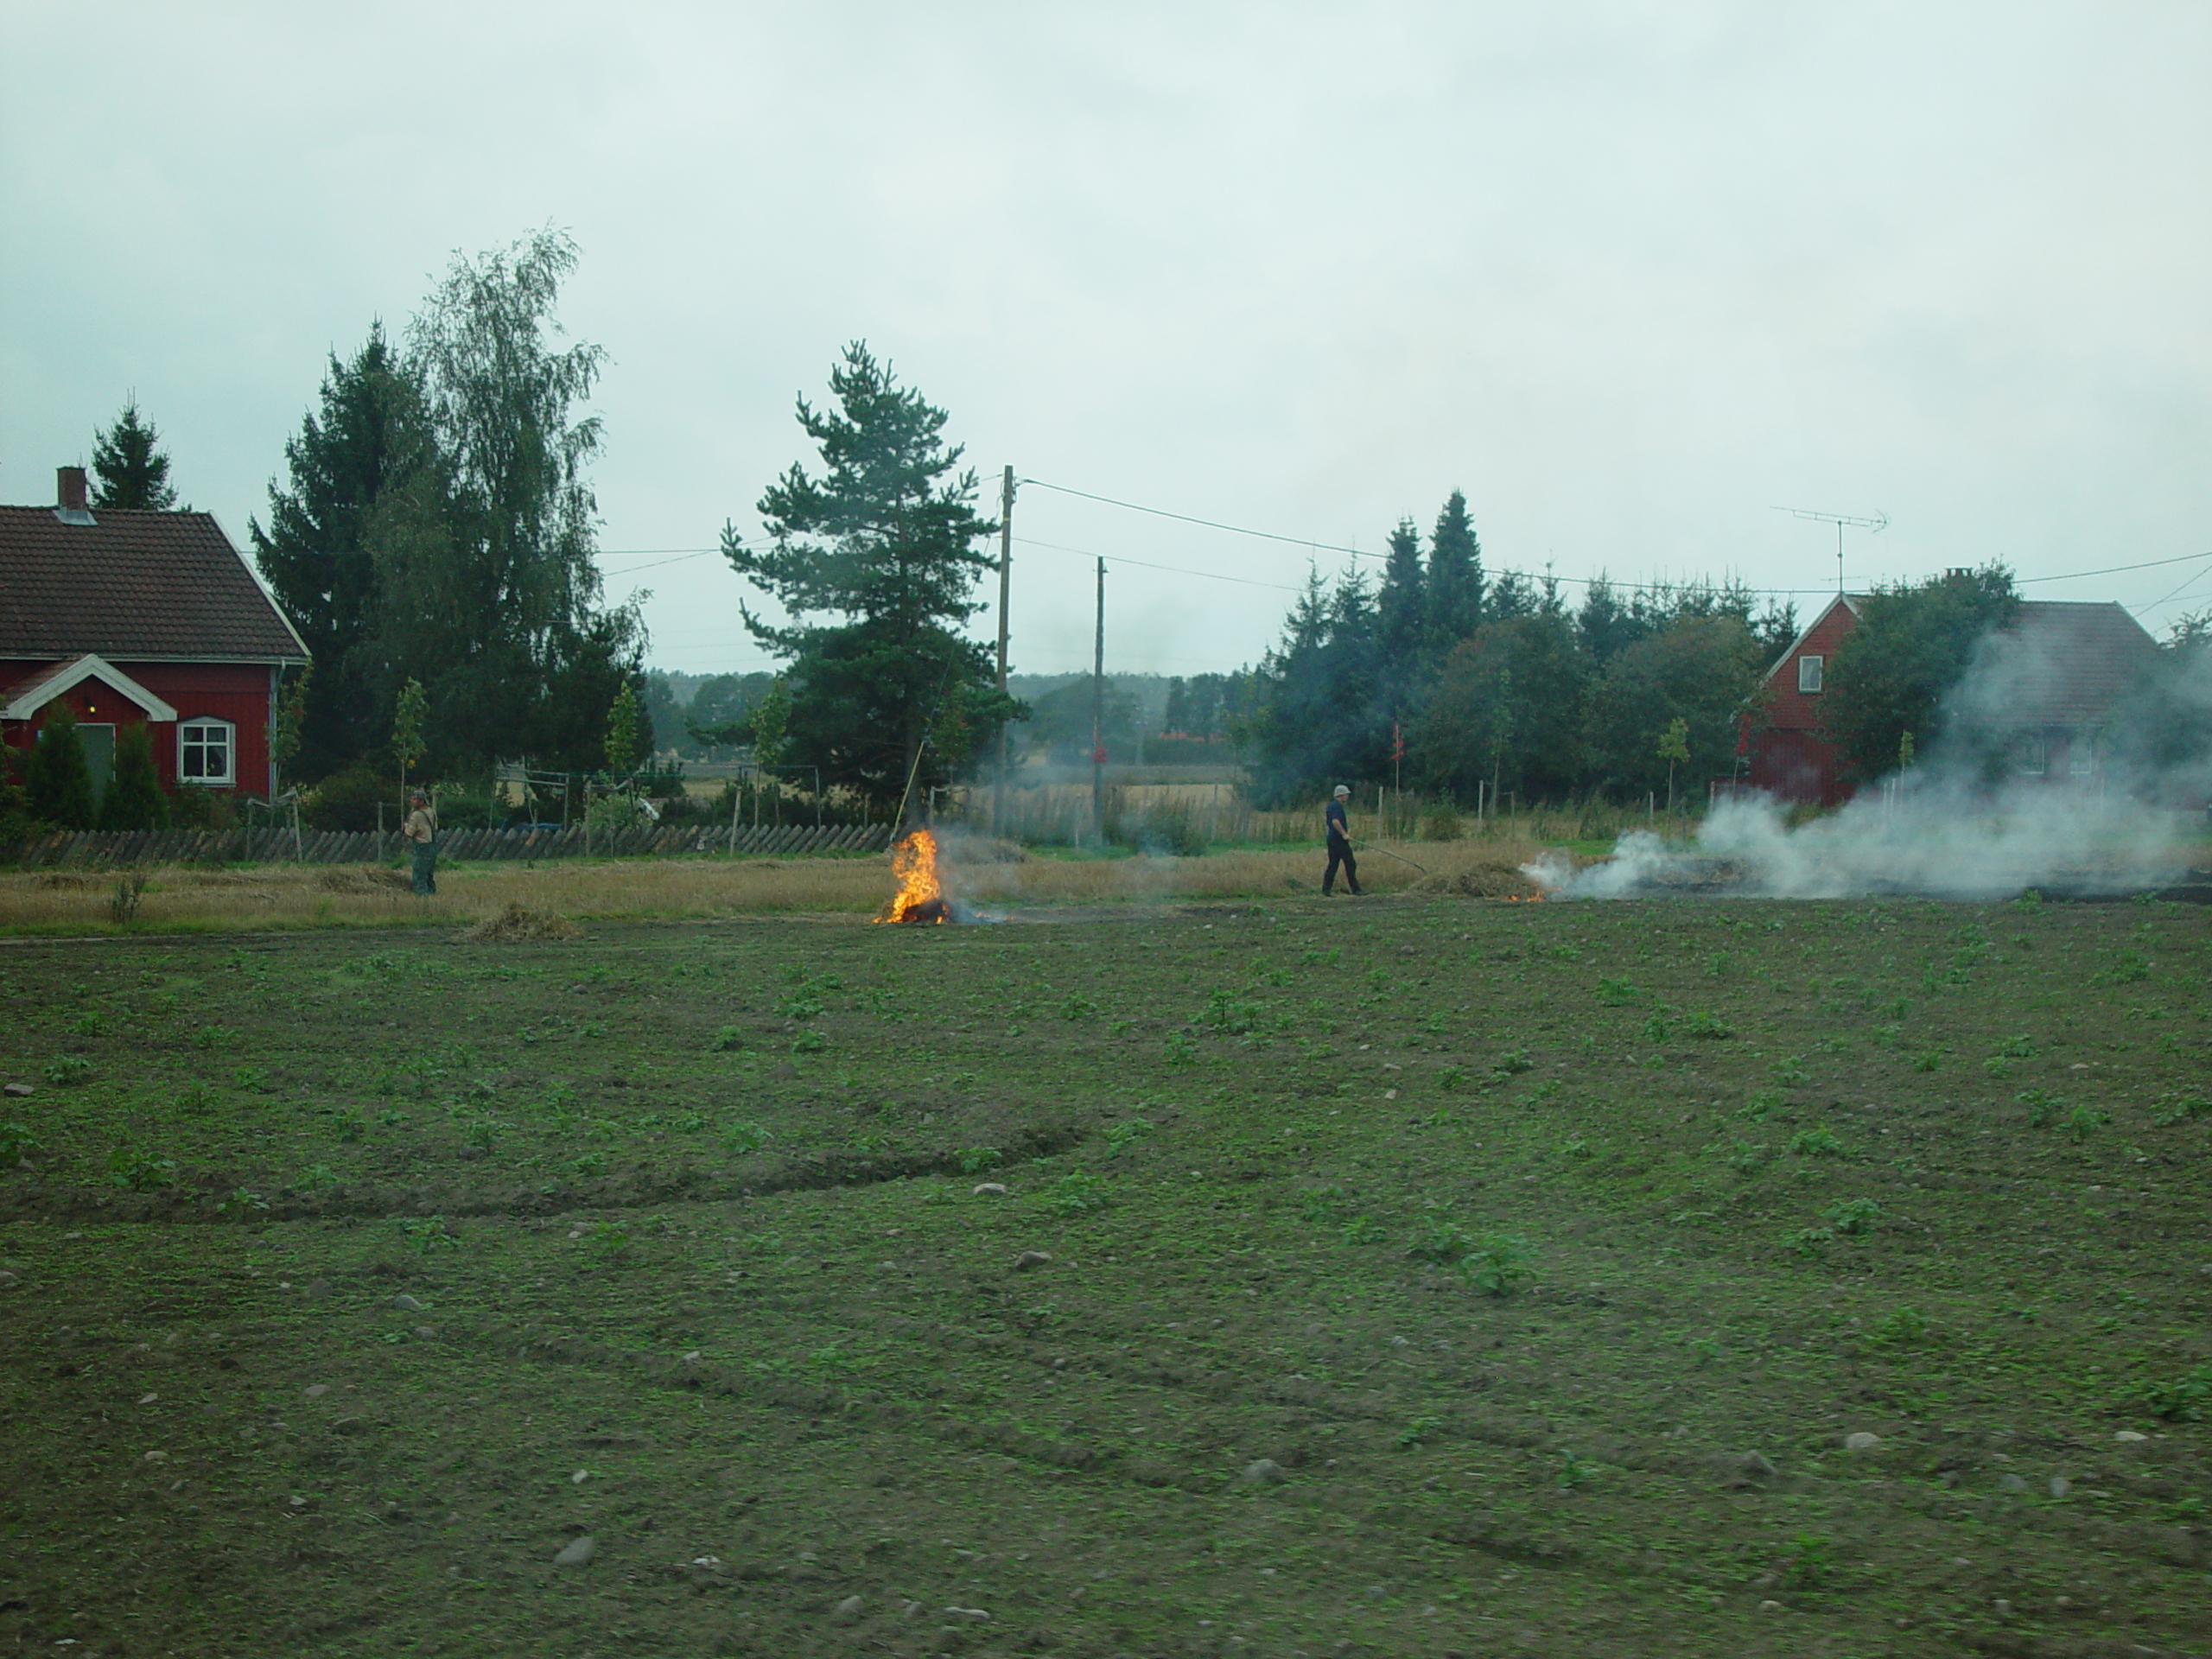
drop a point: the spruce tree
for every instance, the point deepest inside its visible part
(134, 799)
(128, 461)
(357, 471)
(59, 782)
(1401, 606)
(1456, 595)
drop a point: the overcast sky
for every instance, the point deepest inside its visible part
(1630, 276)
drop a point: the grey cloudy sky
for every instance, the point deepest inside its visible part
(1628, 275)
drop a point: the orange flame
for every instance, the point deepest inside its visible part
(920, 897)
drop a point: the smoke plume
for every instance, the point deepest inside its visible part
(1957, 826)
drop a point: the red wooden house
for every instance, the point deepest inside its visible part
(141, 617)
(1791, 758)
(2042, 690)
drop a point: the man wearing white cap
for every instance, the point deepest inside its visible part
(1339, 831)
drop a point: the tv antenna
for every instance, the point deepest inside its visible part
(1878, 524)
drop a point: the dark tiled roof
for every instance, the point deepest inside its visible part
(2059, 664)
(133, 584)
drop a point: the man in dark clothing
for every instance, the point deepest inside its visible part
(422, 831)
(1338, 830)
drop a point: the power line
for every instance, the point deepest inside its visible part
(1177, 569)
(1527, 576)
(1210, 523)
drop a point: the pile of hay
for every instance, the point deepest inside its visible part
(361, 877)
(1483, 881)
(519, 922)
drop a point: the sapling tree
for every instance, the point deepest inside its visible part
(621, 744)
(1674, 746)
(408, 742)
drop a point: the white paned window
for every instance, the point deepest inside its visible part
(2032, 751)
(206, 751)
(1809, 673)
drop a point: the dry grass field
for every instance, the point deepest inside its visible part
(990, 875)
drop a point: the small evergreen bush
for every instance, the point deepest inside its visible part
(59, 782)
(134, 800)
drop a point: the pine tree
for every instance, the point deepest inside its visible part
(59, 780)
(886, 540)
(134, 799)
(1402, 606)
(128, 461)
(1457, 599)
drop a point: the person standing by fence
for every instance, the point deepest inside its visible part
(1339, 832)
(422, 830)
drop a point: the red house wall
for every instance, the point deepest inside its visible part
(237, 692)
(1791, 759)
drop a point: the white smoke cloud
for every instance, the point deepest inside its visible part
(1938, 830)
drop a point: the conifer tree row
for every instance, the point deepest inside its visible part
(1497, 684)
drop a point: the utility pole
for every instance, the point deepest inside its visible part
(1878, 524)
(1099, 717)
(1006, 566)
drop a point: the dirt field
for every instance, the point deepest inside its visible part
(1411, 1275)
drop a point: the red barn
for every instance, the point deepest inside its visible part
(2044, 688)
(141, 617)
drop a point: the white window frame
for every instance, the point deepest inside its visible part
(1809, 674)
(2031, 755)
(204, 724)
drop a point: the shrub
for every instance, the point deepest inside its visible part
(1805, 1563)
(1905, 1325)
(2182, 1400)
(59, 782)
(1495, 1262)
(2085, 1121)
(134, 800)
(140, 1172)
(350, 799)
(1162, 828)
(1078, 1191)
(1440, 822)
(1852, 1216)
(1119, 1136)
(1439, 1240)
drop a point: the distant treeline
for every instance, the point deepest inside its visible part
(1500, 684)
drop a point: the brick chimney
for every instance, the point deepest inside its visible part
(69, 496)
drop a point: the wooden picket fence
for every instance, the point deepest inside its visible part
(108, 849)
